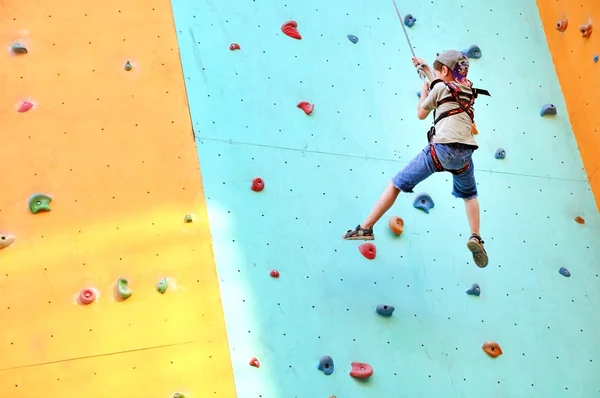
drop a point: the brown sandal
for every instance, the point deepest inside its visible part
(359, 233)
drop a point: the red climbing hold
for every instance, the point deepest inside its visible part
(368, 250)
(257, 184)
(87, 296)
(361, 370)
(234, 46)
(579, 220)
(307, 107)
(274, 273)
(585, 30)
(254, 362)
(25, 106)
(290, 29)
(562, 25)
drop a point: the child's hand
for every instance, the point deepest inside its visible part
(420, 62)
(425, 90)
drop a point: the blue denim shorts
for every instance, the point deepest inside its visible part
(451, 158)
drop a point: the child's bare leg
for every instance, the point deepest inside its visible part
(384, 203)
(472, 208)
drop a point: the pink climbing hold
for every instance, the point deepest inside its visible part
(307, 107)
(25, 106)
(234, 46)
(254, 362)
(290, 29)
(361, 370)
(368, 250)
(87, 296)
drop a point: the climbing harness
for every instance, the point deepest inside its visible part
(420, 70)
(465, 102)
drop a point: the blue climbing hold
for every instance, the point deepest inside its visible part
(596, 58)
(475, 290)
(409, 20)
(353, 39)
(548, 109)
(419, 94)
(385, 310)
(326, 365)
(500, 153)
(423, 202)
(472, 52)
(564, 272)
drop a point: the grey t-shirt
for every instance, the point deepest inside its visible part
(451, 129)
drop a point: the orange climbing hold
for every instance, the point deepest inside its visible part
(585, 30)
(25, 106)
(396, 225)
(492, 349)
(579, 220)
(562, 25)
(254, 362)
(474, 129)
(361, 370)
(368, 250)
(290, 29)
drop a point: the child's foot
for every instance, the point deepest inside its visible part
(475, 245)
(359, 233)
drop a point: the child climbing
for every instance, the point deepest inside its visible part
(450, 146)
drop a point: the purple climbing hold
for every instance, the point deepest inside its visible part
(353, 39)
(548, 109)
(475, 290)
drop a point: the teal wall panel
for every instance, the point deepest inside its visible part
(323, 173)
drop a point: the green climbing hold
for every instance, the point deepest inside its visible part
(128, 66)
(178, 395)
(122, 288)
(19, 48)
(162, 285)
(39, 202)
(188, 218)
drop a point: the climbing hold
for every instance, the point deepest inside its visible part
(188, 218)
(472, 52)
(25, 106)
(326, 365)
(419, 94)
(579, 220)
(39, 202)
(564, 272)
(474, 129)
(423, 202)
(178, 395)
(396, 224)
(290, 29)
(475, 290)
(596, 58)
(162, 285)
(585, 30)
(123, 289)
(18, 48)
(274, 273)
(254, 362)
(128, 66)
(234, 46)
(548, 109)
(353, 39)
(500, 153)
(368, 250)
(6, 240)
(307, 107)
(385, 310)
(409, 20)
(87, 296)
(562, 25)
(257, 184)
(361, 370)
(492, 348)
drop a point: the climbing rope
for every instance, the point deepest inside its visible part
(420, 71)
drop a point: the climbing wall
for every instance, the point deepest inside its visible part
(323, 172)
(115, 152)
(576, 59)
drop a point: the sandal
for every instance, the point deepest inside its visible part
(475, 245)
(359, 233)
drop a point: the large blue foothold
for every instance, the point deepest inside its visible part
(423, 202)
(548, 109)
(409, 20)
(564, 272)
(385, 310)
(475, 290)
(500, 153)
(326, 365)
(472, 52)
(353, 39)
